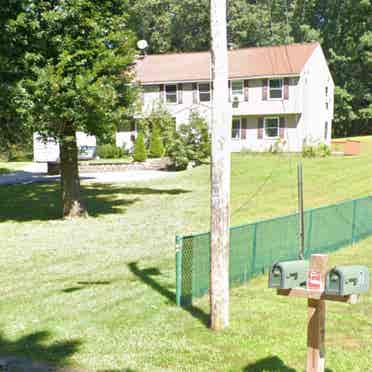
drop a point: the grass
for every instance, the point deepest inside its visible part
(9, 167)
(99, 293)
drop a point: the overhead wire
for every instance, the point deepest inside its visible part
(258, 190)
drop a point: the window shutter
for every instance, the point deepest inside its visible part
(281, 127)
(162, 93)
(180, 93)
(246, 90)
(229, 90)
(260, 130)
(244, 128)
(265, 84)
(194, 93)
(286, 88)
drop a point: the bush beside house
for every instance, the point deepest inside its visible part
(163, 121)
(191, 144)
(109, 151)
(156, 144)
(140, 153)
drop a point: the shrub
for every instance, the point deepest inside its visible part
(159, 118)
(16, 152)
(323, 150)
(140, 153)
(278, 146)
(179, 153)
(308, 151)
(156, 144)
(191, 144)
(109, 151)
(312, 151)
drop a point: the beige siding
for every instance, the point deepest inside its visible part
(291, 142)
(180, 112)
(305, 110)
(314, 80)
(257, 106)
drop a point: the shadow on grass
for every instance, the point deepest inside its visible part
(118, 370)
(42, 201)
(83, 285)
(146, 276)
(271, 364)
(22, 354)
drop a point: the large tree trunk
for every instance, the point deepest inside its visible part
(70, 182)
(220, 170)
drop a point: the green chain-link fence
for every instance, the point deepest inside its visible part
(255, 247)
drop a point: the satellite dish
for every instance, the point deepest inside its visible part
(142, 44)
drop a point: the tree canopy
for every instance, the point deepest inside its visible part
(11, 129)
(76, 55)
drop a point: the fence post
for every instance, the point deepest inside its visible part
(354, 228)
(309, 234)
(254, 253)
(178, 269)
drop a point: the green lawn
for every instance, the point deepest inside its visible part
(99, 293)
(9, 167)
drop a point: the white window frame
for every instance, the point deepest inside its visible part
(281, 89)
(210, 92)
(165, 94)
(270, 118)
(241, 95)
(239, 119)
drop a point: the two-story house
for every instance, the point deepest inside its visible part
(278, 93)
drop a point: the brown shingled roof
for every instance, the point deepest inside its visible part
(248, 62)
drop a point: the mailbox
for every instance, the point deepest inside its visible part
(289, 274)
(347, 280)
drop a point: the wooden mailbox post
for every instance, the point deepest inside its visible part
(316, 299)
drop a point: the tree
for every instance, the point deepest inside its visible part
(190, 26)
(156, 144)
(344, 29)
(77, 58)
(11, 129)
(159, 118)
(191, 143)
(152, 20)
(171, 25)
(220, 170)
(140, 153)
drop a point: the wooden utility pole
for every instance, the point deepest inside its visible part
(220, 169)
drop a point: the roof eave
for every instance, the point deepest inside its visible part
(253, 77)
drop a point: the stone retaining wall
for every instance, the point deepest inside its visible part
(150, 164)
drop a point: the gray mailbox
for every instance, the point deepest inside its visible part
(347, 280)
(288, 274)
